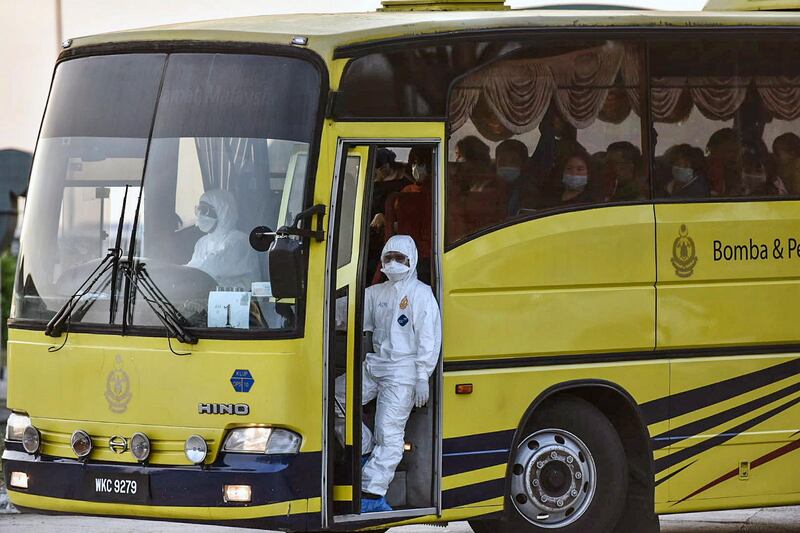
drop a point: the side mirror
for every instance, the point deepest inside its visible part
(286, 263)
(261, 238)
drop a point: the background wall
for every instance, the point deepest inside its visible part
(29, 41)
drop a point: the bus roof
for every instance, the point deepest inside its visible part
(751, 5)
(327, 32)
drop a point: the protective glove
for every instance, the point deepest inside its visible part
(421, 392)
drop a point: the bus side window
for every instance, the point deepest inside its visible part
(724, 125)
(545, 129)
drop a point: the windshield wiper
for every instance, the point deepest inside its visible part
(162, 307)
(135, 272)
(63, 316)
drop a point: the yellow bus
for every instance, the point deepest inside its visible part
(610, 225)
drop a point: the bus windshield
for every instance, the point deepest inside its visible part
(208, 147)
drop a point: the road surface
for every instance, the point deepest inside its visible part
(776, 520)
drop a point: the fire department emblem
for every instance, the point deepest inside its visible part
(118, 388)
(684, 254)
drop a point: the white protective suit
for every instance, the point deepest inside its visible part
(224, 253)
(406, 330)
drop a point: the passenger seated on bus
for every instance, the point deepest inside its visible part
(420, 164)
(474, 156)
(759, 176)
(224, 253)
(477, 194)
(403, 316)
(624, 174)
(577, 183)
(542, 185)
(510, 156)
(411, 211)
(474, 160)
(786, 150)
(389, 178)
(688, 179)
(724, 169)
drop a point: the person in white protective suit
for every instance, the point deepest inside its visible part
(403, 316)
(224, 253)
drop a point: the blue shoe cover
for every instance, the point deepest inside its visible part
(364, 459)
(374, 506)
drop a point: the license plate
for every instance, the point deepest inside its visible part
(128, 487)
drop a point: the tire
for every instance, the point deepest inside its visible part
(569, 473)
(485, 526)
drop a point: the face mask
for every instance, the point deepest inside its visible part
(419, 172)
(754, 180)
(206, 223)
(682, 174)
(574, 182)
(509, 174)
(395, 271)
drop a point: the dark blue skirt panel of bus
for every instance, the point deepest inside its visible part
(273, 479)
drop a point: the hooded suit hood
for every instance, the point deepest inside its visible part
(224, 204)
(406, 246)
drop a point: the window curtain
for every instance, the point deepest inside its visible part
(781, 95)
(718, 98)
(237, 165)
(520, 91)
(630, 76)
(583, 79)
(222, 159)
(462, 101)
(670, 102)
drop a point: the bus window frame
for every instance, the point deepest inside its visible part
(205, 47)
(642, 36)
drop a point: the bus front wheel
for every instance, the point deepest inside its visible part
(569, 473)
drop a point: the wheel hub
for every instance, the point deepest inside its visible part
(553, 478)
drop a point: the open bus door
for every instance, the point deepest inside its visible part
(414, 491)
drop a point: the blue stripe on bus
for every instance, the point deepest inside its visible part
(458, 463)
(478, 492)
(472, 452)
(494, 440)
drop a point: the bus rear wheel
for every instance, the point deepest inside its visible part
(569, 473)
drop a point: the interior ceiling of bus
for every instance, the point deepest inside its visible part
(327, 32)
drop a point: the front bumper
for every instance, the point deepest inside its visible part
(285, 489)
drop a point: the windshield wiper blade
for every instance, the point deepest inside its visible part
(162, 307)
(55, 327)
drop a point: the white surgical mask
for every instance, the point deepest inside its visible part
(206, 223)
(682, 174)
(510, 174)
(419, 172)
(395, 271)
(574, 182)
(754, 179)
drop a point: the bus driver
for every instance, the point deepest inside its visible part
(224, 253)
(403, 316)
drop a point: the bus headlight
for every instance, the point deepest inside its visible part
(262, 440)
(81, 443)
(196, 449)
(140, 446)
(31, 439)
(16, 425)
